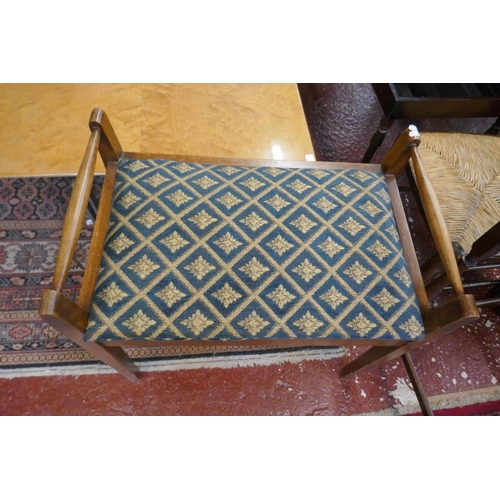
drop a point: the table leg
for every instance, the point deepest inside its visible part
(378, 138)
(494, 129)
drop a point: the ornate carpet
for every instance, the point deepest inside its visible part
(31, 218)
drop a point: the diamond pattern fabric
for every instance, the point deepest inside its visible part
(217, 252)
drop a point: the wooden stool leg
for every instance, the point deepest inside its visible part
(417, 385)
(377, 138)
(68, 318)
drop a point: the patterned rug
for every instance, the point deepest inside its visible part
(31, 218)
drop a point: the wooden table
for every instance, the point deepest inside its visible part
(433, 100)
(44, 127)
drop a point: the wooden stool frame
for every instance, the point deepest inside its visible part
(71, 318)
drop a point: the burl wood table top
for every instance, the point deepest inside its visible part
(44, 128)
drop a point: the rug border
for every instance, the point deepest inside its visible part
(223, 361)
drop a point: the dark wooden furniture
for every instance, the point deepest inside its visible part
(71, 318)
(433, 100)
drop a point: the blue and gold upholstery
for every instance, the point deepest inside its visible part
(218, 252)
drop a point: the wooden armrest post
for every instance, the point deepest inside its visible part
(399, 154)
(109, 147)
(76, 211)
(436, 222)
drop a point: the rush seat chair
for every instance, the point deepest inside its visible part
(464, 171)
(210, 250)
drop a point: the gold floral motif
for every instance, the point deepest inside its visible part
(200, 267)
(385, 300)
(357, 272)
(333, 297)
(303, 224)
(174, 241)
(343, 189)
(150, 218)
(183, 168)
(156, 180)
(361, 325)
(351, 226)
(325, 204)
(137, 165)
(229, 200)
(412, 327)
(319, 174)
(306, 270)
(205, 182)
(139, 323)
(361, 176)
(230, 170)
(252, 184)
(299, 186)
(253, 221)
(179, 198)
(330, 247)
(379, 250)
(121, 243)
(275, 171)
(403, 276)
(280, 245)
(128, 200)
(253, 323)
(197, 322)
(228, 243)
(308, 324)
(170, 294)
(383, 194)
(202, 219)
(227, 295)
(281, 296)
(112, 294)
(277, 202)
(370, 208)
(254, 269)
(144, 267)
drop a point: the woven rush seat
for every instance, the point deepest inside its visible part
(218, 252)
(464, 170)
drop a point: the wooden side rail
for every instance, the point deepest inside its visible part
(455, 313)
(102, 139)
(98, 238)
(404, 149)
(55, 308)
(75, 213)
(436, 222)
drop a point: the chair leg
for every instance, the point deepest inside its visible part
(417, 385)
(377, 138)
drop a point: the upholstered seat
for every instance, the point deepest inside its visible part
(218, 252)
(464, 170)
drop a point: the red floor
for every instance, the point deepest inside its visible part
(342, 118)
